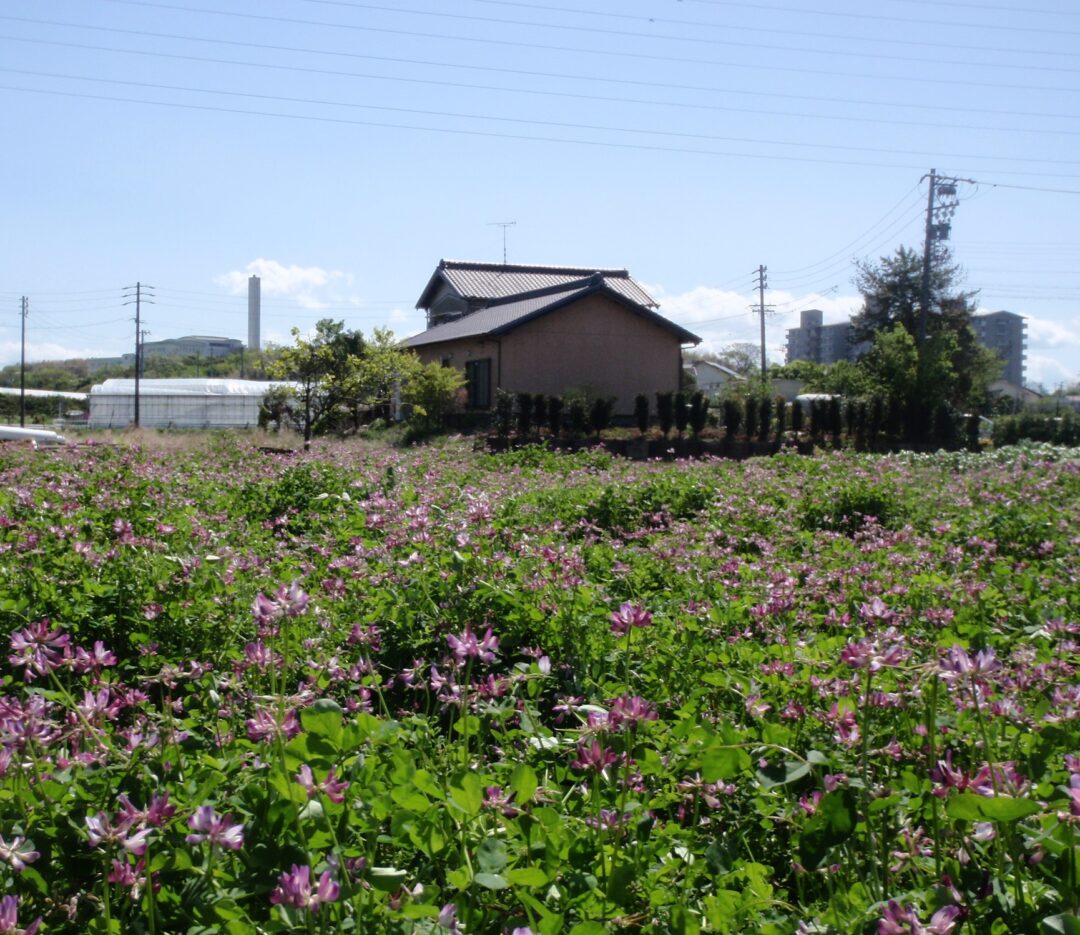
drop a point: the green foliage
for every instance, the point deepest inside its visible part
(523, 404)
(733, 416)
(699, 413)
(554, 414)
(665, 412)
(504, 412)
(845, 507)
(780, 408)
(682, 413)
(641, 412)
(578, 417)
(1062, 428)
(750, 415)
(539, 410)
(431, 393)
(600, 414)
(712, 694)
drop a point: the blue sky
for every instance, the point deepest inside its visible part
(339, 148)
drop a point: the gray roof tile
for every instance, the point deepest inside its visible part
(472, 280)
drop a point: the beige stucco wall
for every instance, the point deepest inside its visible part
(596, 342)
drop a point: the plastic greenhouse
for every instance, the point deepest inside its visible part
(181, 403)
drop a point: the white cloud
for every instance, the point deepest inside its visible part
(1052, 335)
(722, 317)
(278, 279)
(1049, 371)
(38, 351)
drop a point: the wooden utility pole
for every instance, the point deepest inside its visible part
(22, 364)
(762, 282)
(136, 298)
(924, 301)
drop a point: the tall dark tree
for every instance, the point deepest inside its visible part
(892, 294)
(948, 363)
(641, 412)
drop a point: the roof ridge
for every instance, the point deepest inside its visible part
(496, 267)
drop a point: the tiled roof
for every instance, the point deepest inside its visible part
(472, 280)
(505, 314)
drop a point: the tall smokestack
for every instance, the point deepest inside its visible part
(254, 307)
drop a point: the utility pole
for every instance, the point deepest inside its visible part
(22, 364)
(941, 202)
(762, 282)
(137, 298)
(140, 362)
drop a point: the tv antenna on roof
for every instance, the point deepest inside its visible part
(503, 225)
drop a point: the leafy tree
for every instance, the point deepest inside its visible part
(554, 414)
(600, 413)
(641, 412)
(892, 294)
(539, 410)
(432, 391)
(379, 376)
(951, 367)
(579, 416)
(780, 407)
(665, 411)
(733, 415)
(699, 413)
(741, 357)
(682, 413)
(321, 370)
(524, 413)
(796, 418)
(750, 416)
(765, 413)
(504, 412)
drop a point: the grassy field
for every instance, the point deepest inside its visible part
(435, 690)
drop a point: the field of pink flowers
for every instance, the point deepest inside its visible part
(442, 691)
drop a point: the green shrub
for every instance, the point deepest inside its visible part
(846, 507)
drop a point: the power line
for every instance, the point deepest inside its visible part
(568, 95)
(847, 248)
(883, 18)
(700, 40)
(710, 89)
(458, 131)
(563, 125)
(697, 24)
(575, 50)
(984, 7)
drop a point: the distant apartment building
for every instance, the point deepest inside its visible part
(821, 343)
(1001, 332)
(1006, 335)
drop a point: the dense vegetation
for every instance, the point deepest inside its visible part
(443, 691)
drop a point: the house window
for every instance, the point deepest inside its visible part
(478, 383)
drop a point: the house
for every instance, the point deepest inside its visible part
(549, 329)
(712, 378)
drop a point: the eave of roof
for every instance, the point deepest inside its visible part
(503, 316)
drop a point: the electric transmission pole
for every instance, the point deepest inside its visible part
(762, 282)
(22, 363)
(137, 298)
(941, 202)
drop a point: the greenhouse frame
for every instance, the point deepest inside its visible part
(193, 403)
